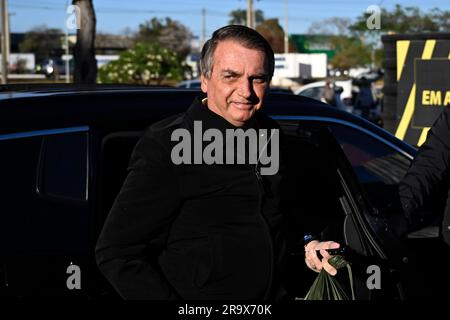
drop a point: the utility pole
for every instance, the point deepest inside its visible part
(286, 38)
(250, 14)
(8, 34)
(203, 27)
(3, 39)
(253, 17)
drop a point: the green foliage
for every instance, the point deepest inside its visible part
(355, 42)
(379, 57)
(406, 20)
(401, 20)
(350, 52)
(146, 64)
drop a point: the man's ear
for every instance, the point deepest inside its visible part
(204, 83)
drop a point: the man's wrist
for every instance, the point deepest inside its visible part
(309, 237)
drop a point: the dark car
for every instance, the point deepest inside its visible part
(64, 157)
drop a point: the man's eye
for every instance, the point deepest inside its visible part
(259, 80)
(229, 76)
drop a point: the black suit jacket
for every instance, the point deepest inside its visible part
(193, 231)
(428, 179)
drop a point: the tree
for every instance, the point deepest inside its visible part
(442, 18)
(43, 42)
(331, 26)
(146, 63)
(399, 20)
(84, 52)
(105, 40)
(406, 20)
(239, 16)
(274, 34)
(350, 52)
(169, 33)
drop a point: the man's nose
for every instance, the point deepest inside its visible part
(245, 88)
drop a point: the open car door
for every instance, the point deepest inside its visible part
(325, 197)
(410, 249)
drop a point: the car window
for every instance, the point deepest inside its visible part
(378, 166)
(38, 224)
(64, 166)
(314, 93)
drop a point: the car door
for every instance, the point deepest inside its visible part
(379, 167)
(44, 219)
(332, 203)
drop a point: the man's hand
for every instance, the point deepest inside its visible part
(312, 260)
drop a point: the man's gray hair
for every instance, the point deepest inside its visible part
(247, 37)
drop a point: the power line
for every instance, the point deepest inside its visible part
(212, 13)
(124, 10)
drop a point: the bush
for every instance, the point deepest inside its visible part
(145, 63)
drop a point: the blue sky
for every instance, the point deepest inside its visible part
(114, 16)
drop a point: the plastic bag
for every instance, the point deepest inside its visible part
(327, 287)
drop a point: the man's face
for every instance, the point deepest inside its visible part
(238, 82)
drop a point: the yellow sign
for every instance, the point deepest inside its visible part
(435, 98)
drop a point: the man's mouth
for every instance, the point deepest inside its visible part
(242, 105)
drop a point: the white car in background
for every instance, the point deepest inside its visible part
(346, 99)
(314, 90)
(189, 84)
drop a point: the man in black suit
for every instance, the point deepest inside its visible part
(427, 181)
(192, 223)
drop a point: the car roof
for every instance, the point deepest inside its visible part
(321, 83)
(311, 85)
(136, 107)
(345, 84)
(36, 89)
(189, 83)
